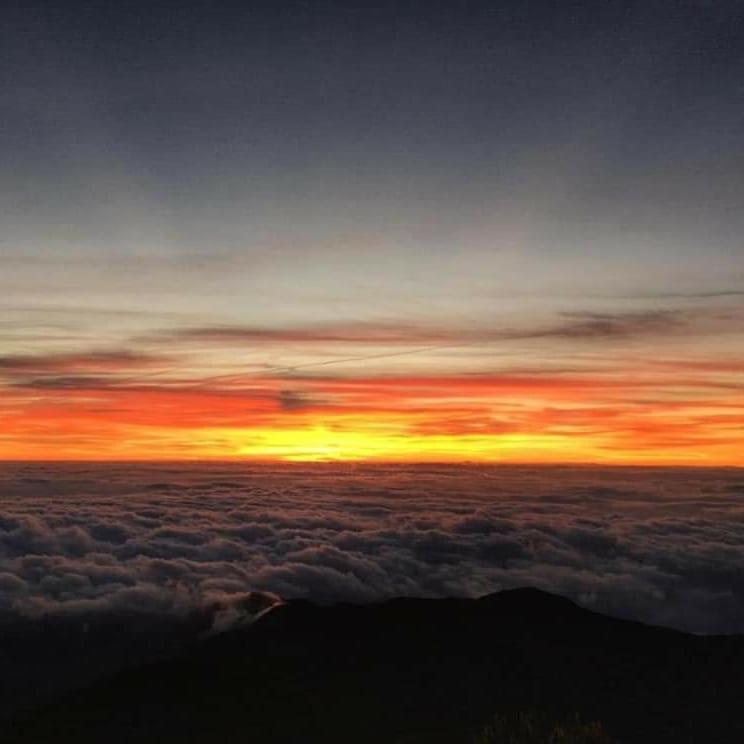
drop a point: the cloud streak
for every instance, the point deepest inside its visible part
(100, 361)
(576, 325)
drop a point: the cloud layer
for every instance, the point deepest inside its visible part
(662, 546)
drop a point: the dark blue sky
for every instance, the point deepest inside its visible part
(585, 117)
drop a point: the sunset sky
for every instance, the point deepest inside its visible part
(500, 231)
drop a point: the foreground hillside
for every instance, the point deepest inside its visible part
(414, 670)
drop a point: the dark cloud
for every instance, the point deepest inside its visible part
(332, 345)
(64, 382)
(709, 295)
(575, 325)
(99, 361)
(78, 371)
(294, 400)
(616, 325)
(663, 546)
(373, 333)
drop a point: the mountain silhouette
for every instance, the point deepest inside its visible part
(413, 670)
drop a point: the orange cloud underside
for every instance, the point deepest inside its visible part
(494, 418)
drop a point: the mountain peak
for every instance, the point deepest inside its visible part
(414, 670)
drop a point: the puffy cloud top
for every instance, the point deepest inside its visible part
(659, 545)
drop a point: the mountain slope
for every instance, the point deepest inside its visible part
(413, 670)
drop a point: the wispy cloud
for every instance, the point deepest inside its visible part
(608, 326)
(94, 361)
(568, 325)
(694, 295)
(354, 333)
(420, 339)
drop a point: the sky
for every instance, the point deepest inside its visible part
(479, 231)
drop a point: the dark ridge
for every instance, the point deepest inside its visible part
(413, 670)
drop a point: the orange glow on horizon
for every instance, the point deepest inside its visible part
(444, 420)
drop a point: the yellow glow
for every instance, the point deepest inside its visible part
(322, 443)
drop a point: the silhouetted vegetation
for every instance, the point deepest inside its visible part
(533, 727)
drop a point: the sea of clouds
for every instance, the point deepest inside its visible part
(664, 546)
